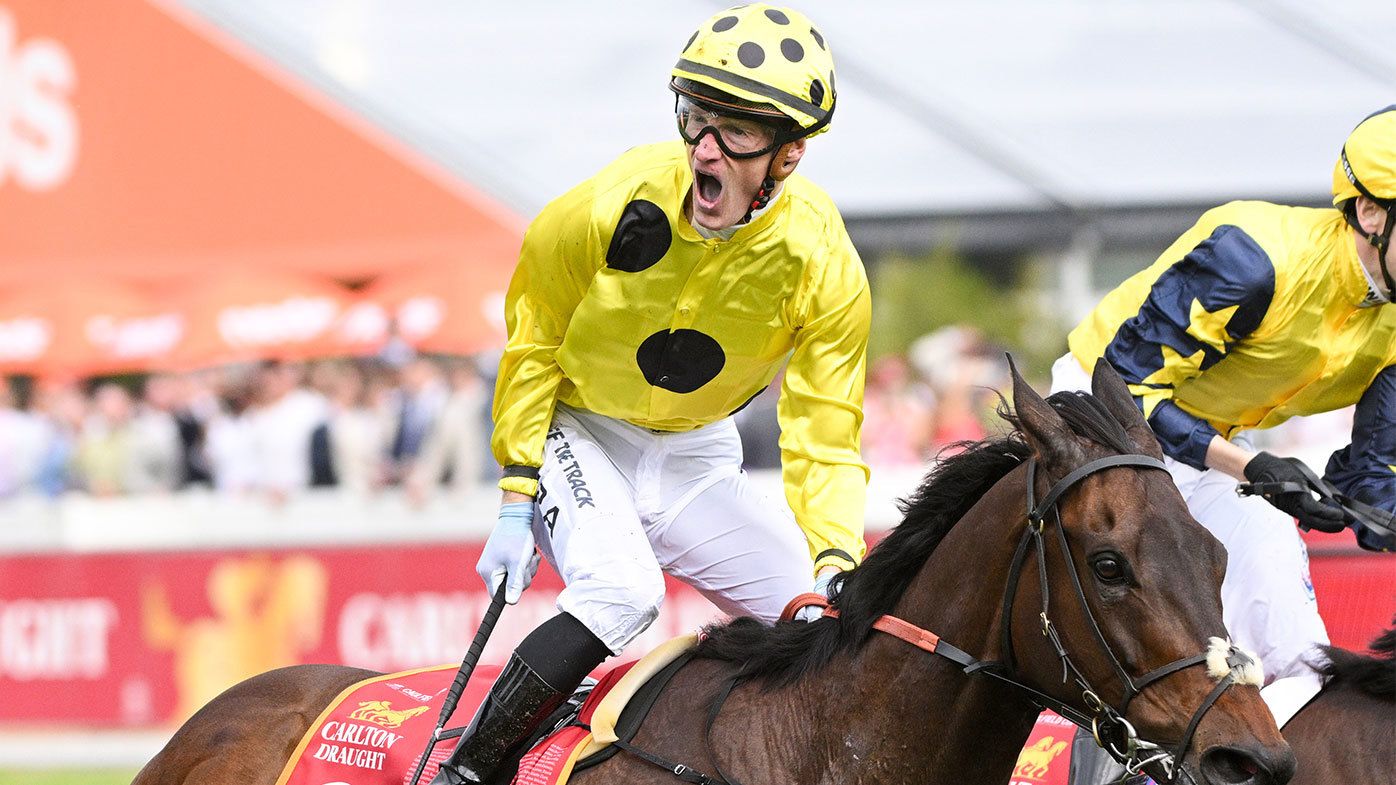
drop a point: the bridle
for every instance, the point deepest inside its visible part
(1107, 723)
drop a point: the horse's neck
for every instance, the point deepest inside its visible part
(890, 713)
(956, 728)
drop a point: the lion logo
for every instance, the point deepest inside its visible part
(383, 714)
(1033, 761)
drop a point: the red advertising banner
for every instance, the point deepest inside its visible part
(144, 639)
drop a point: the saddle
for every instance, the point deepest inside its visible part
(374, 732)
(584, 732)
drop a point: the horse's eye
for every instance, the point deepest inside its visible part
(1109, 568)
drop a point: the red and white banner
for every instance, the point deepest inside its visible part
(144, 639)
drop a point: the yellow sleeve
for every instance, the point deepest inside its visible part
(555, 268)
(821, 413)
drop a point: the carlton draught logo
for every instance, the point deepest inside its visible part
(382, 713)
(38, 128)
(1034, 762)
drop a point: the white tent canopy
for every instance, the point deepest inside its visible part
(946, 108)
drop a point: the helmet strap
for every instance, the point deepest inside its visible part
(779, 170)
(762, 198)
(1380, 240)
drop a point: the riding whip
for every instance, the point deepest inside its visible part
(467, 666)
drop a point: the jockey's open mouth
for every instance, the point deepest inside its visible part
(707, 189)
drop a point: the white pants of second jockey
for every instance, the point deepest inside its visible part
(620, 505)
(1268, 601)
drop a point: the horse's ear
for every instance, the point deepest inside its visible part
(1047, 433)
(1110, 389)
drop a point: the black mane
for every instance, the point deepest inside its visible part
(1374, 674)
(784, 653)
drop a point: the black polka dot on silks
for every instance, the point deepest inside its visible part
(641, 239)
(818, 39)
(777, 16)
(691, 39)
(725, 23)
(680, 361)
(751, 54)
(816, 93)
(792, 50)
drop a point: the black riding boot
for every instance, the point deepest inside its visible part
(542, 673)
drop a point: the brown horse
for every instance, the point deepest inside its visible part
(1108, 590)
(1347, 735)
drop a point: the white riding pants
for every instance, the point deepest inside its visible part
(1267, 597)
(620, 505)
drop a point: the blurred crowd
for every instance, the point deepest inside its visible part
(420, 424)
(268, 429)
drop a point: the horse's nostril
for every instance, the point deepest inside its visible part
(1228, 766)
(1233, 766)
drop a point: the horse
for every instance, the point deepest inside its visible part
(1054, 567)
(1347, 733)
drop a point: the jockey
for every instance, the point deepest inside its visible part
(1259, 313)
(650, 304)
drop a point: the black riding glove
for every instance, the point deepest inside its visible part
(1311, 513)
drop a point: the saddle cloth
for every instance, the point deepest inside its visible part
(1046, 757)
(374, 732)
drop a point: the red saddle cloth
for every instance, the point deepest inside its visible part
(1046, 757)
(374, 732)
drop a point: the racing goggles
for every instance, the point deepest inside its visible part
(738, 137)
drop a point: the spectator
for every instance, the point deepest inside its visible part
(284, 416)
(420, 399)
(106, 460)
(896, 415)
(454, 449)
(358, 432)
(230, 445)
(955, 363)
(62, 409)
(157, 438)
(21, 444)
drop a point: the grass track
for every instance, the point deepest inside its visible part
(66, 776)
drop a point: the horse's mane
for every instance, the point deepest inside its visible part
(784, 653)
(1374, 674)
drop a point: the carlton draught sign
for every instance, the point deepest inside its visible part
(146, 639)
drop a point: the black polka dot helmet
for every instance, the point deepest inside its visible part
(764, 56)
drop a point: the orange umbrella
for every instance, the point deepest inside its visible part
(448, 308)
(242, 314)
(85, 326)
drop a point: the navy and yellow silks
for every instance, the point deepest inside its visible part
(1248, 319)
(620, 307)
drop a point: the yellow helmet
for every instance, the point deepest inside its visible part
(765, 55)
(1367, 164)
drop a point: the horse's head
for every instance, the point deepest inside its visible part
(1133, 588)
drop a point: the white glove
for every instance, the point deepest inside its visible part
(510, 549)
(821, 587)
